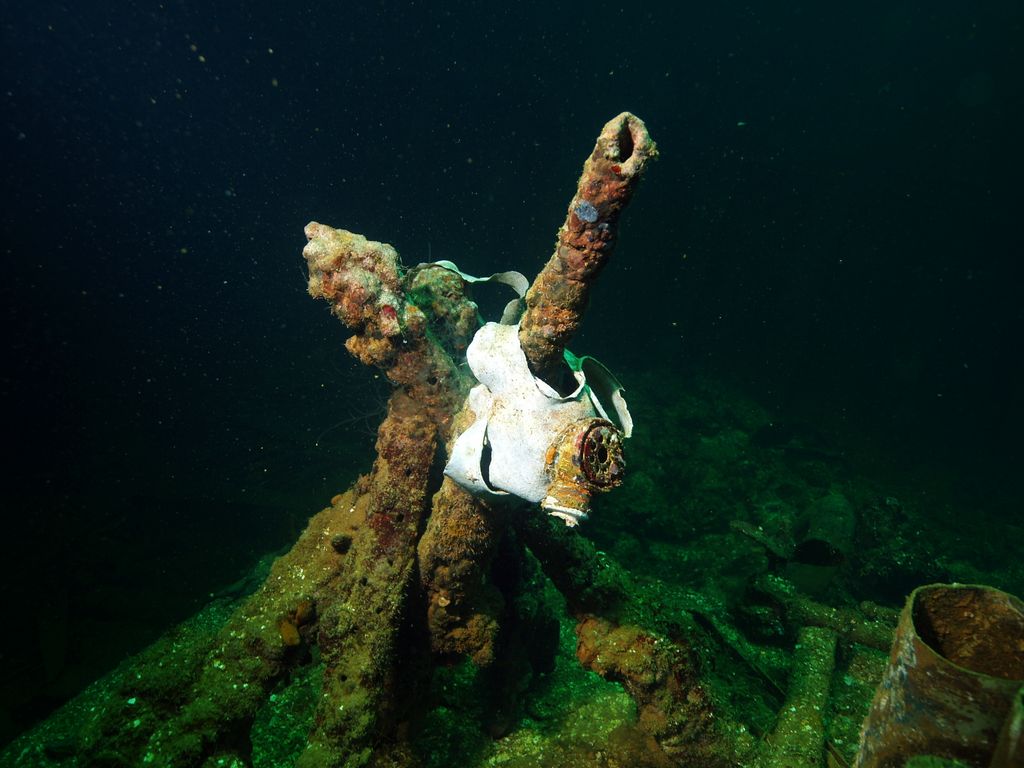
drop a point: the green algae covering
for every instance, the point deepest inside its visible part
(567, 718)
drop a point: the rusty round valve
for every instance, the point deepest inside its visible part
(586, 457)
(600, 455)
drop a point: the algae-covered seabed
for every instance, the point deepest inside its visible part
(718, 491)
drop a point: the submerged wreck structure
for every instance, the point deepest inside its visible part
(441, 553)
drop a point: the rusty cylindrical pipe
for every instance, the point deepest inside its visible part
(956, 664)
(1009, 752)
(557, 299)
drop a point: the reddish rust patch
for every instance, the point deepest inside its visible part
(387, 533)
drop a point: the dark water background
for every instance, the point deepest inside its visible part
(834, 226)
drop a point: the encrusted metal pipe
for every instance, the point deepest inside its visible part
(557, 299)
(798, 738)
(956, 665)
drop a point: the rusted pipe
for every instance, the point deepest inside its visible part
(557, 299)
(1009, 752)
(798, 738)
(956, 665)
(871, 628)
